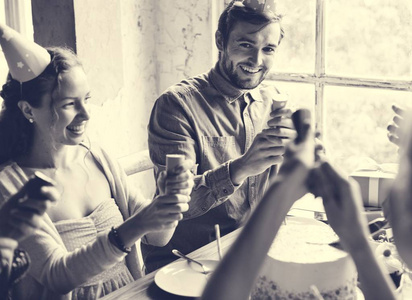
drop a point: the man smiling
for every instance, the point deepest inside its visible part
(218, 119)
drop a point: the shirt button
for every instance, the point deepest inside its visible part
(204, 208)
(225, 191)
(246, 114)
(252, 185)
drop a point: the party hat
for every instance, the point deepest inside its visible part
(261, 5)
(26, 59)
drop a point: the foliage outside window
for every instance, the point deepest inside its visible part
(348, 61)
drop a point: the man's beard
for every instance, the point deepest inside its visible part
(244, 84)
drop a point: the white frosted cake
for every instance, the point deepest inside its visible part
(300, 257)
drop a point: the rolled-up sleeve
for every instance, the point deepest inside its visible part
(172, 130)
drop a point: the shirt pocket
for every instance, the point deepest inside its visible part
(217, 150)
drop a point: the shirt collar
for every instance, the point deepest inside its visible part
(228, 91)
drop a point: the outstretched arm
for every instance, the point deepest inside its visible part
(343, 206)
(398, 206)
(235, 275)
(237, 272)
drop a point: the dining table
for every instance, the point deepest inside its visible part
(145, 288)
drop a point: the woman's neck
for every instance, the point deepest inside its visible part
(45, 155)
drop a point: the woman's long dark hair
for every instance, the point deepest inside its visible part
(16, 132)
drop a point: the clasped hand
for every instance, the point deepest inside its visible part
(267, 148)
(20, 215)
(166, 210)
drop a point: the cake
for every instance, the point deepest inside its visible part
(301, 257)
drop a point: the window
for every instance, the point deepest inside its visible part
(347, 61)
(17, 14)
(3, 64)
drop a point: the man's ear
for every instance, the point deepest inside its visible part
(26, 109)
(219, 40)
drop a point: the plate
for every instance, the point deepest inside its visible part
(359, 294)
(184, 278)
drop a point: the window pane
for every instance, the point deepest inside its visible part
(356, 122)
(4, 69)
(300, 95)
(296, 52)
(3, 65)
(369, 38)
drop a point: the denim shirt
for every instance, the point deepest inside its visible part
(211, 122)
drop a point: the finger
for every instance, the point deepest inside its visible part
(161, 181)
(171, 199)
(174, 208)
(185, 166)
(398, 110)
(274, 160)
(35, 205)
(284, 112)
(272, 151)
(392, 128)
(182, 177)
(394, 139)
(319, 147)
(397, 120)
(269, 141)
(164, 211)
(281, 122)
(186, 192)
(177, 185)
(319, 153)
(51, 193)
(281, 132)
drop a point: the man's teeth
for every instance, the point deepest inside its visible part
(250, 70)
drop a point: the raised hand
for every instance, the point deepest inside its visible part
(342, 202)
(180, 181)
(395, 126)
(267, 148)
(164, 212)
(281, 120)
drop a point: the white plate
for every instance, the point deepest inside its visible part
(183, 278)
(359, 294)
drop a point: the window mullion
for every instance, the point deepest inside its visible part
(319, 65)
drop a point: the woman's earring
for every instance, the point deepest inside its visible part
(31, 120)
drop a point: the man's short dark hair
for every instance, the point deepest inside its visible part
(239, 13)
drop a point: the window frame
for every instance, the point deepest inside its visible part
(320, 79)
(18, 13)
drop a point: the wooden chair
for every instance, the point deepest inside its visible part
(136, 162)
(133, 164)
